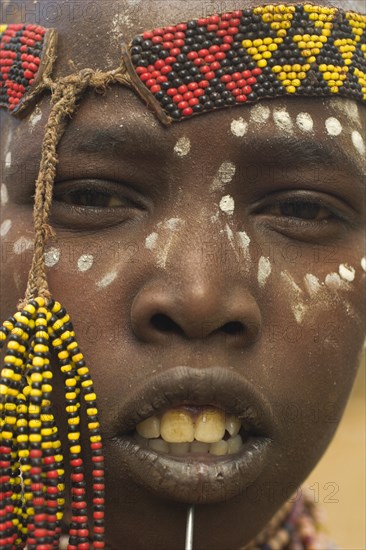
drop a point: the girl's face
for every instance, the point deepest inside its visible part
(218, 262)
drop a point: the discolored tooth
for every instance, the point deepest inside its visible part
(176, 426)
(159, 445)
(197, 447)
(149, 428)
(179, 448)
(234, 444)
(232, 425)
(210, 425)
(219, 448)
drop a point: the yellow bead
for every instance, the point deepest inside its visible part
(95, 438)
(70, 395)
(247, 43)
(291, 89)
(35, 438)
(73, 436)
(70, 382)
(40, 301)
(38, 361)
(46, 388)
(90, 397)
(86, 383)
(92, 411)
(82, 370)
(277, 68)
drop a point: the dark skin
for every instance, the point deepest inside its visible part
(299, 349)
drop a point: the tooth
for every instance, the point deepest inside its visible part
(234, 444)
(219, 448)
(159, 445)
(176, 426)
(232, 425)
(199, 448)
(149, 428)
(210, 426)
(179, 448)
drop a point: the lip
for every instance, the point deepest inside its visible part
(196, 479)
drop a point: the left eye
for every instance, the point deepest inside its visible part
(299, 209)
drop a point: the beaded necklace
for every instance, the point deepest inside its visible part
(179, 71)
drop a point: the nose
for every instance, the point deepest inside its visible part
(193, 300)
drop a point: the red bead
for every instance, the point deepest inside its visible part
(168, 45)
(192, 86)
(168, 37)
(166, 70)
(161, 79)
(224, 25)
(220, 56)
(156, 39)
(188, 95)
(234, 22)
(159, 64)
(98, 544)
(98, 473)
(182, 105)
(158, 31)
(150, 82)
(177, 98)
(251, 80)
(147, 35)
(179, 43)
(78, 505)
(179, 35)
(233, 30)
(144, 77)
(209, 58)
(198, 62)
(192, 55)
(140, 70)
(225, 16)
(188, 111)
(257, 71)
(170, 29)
(203, 53)
(247, 90)
(170, 60)
(172, 92)
(237, 13)
(215, 66)
(228, 39)
(214, 19)
(221, 33)
(100, 515)
(212, 28)
(77, 477)
(83, 546)
(181, 27)
(236, 76)
(210, 75)
(205, 69)
(198, 93)
(35, 453)
(193, 101)
(155, 89)
(174, 51)
(242, 82)
(241, 98)
(247, 74)
(202, 22)
(83, 532)
(203, 84)
(155, 74)
(225, 47)
(236, 92)
(182, 89)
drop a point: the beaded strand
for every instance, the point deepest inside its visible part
(31, 461)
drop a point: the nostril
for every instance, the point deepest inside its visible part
(235, 327)
(165, 324)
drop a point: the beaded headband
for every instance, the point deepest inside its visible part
(179, 71)
(213, 62)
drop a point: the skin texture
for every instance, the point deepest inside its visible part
(303, 351)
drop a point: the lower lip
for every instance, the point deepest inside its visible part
(194, 479)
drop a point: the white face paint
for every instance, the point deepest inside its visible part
(22, 244)
(264, 270)
(4, 194)
(348, 107)
(34, 118)
(227, 205)
(172, 225)
(224, 176)
(259, 114)
(298, 305)
(239, 127)
(107, 279)
(52, 256)
(8, 160)
(333, 126)
(85, 262)
(283, 120)
(333, 281)
(150, 241)
(363, 263)
(305, 122)
(182, 147)
(358, 142)
(312, 284)
(347, 272)
(244, 242)
(5, 227)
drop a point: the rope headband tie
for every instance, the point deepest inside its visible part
(179, 71)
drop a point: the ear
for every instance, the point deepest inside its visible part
(27, 56)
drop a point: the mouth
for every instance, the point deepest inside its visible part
(195, 435)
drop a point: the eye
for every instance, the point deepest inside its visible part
(93, 204)
(304, 210)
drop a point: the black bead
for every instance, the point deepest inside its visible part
(135, 50)
(197, 108)
(219, 103)
(146, 45)
(188, 79)
(191, 24)
(208, 105)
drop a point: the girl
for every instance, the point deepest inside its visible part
(213, 267)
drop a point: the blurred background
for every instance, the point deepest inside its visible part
(339, 480)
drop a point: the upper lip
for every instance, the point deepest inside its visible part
(215, 386)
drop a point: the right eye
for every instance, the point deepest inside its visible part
(94, 203)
